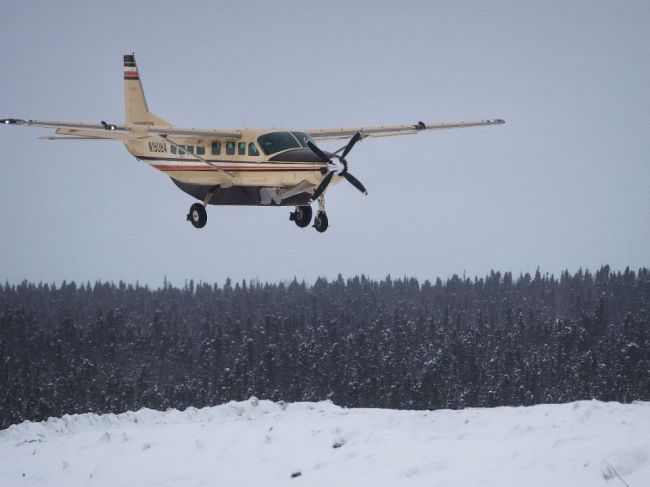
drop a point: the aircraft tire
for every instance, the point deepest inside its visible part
(320, 222)
(197, 215)
(302, 216)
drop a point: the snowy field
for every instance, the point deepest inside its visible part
(253, 443)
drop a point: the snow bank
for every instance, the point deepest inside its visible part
(587, 443)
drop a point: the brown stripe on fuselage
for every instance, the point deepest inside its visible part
(271, 164)
(165, 167)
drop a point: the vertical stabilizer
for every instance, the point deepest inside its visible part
(135, 104)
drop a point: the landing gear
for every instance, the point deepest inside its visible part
(302, 216)
(320, 222)
(197, 215)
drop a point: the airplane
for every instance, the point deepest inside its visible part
(256, 167)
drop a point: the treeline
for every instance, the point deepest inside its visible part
(395, 343)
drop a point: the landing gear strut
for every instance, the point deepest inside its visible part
(301, 216)
(320, 222)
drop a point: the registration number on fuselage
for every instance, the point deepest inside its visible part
(157, 147)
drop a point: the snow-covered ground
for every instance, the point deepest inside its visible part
(253, 443)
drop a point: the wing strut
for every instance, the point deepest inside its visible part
(197, 157)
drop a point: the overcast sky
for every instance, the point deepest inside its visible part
(564, 184)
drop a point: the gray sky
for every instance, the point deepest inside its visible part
(564, 184)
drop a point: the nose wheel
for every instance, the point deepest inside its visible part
(197, 215)
(320, 222)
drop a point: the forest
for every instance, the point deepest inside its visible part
(392, 343)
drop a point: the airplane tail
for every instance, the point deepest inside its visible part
(135, 104)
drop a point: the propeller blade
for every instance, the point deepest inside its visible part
(354, 182)
(314, 148)
(322, 186)
(355, 138)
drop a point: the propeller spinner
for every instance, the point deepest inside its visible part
(334, 169)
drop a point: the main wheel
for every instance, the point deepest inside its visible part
(197, 215)
(320, 222)
(302, 216)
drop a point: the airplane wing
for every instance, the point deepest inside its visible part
(390, 130)
(103, 130)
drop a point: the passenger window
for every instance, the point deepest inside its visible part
(230, 148)
(216, 148)
(242, 148)
(200, 150)
(252, 149)
(173, 149)
(190, 149)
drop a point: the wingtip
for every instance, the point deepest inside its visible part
(14, 121)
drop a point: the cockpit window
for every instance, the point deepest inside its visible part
(303, 138)
(276, 142)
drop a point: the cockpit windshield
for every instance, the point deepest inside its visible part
(276, 142)
(303, 138)
(279, 141)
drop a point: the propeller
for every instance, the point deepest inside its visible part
(333, 169)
